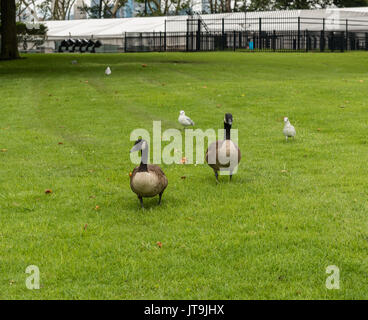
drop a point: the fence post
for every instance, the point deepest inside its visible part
(223, 33)
(332, 39)
(165, 37)
(187, 37)
(347, 34)
(199, 35)
(274, 40)
(234, 40)
(259, 34)
(322, 40)
(298, 33)
(306, 40)
(366, 41)
(342, 42)
(160, 42)
(125, 42)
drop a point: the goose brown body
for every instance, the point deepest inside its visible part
(148, 183)
(221, 154)
(147, 180)
(224, 155)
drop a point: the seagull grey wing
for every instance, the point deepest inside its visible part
(190, 121)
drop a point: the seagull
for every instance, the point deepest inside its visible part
(184, 120)
(108, 71)
(289, 130)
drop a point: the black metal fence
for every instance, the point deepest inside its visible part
(284, 41)
(253, 34)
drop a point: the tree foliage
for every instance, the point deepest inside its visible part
(61, 9)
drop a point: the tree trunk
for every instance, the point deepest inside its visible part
(228, 5)
(100, 10)
(9, 43)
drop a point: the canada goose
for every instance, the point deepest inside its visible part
(224, 154)
(289, 130)
(184, 120)
(147, 180)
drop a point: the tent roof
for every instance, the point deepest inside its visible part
(109, 28)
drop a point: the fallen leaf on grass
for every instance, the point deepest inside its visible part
(283, 171)
(130, 174)
(60, 143)
(4, 150)
(85, 226)
(48, 191)
(318, 129)
(183, 177)
(97, 208)
(159, 243)
(144, 65)
(183, 160)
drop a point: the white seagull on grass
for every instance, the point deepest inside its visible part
(289, 130)
(108, 71)
(184, 120)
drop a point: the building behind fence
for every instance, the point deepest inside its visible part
(296, 30)
(253, 34)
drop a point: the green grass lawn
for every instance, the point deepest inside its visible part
(292, 209)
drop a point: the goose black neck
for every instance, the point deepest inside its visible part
(227, 128)
(144, 160)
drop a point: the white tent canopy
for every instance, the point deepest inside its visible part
(102, 28)
(115, 28)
